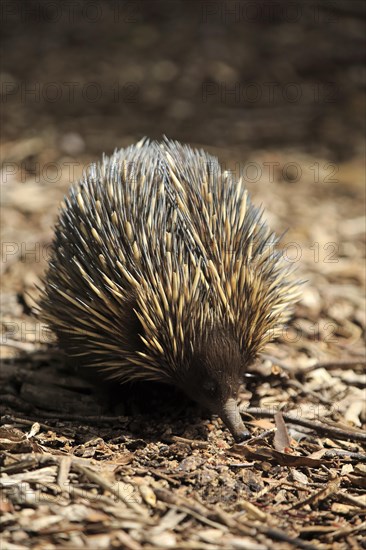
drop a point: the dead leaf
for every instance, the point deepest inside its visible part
(281, 438)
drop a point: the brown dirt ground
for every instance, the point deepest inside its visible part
(84, 467)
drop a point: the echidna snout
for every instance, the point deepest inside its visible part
(230, 415)
(214, 376)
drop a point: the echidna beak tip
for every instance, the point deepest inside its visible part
(242, 436)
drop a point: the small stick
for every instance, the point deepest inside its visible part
(319, 427)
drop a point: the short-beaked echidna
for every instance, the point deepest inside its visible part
(162, 269)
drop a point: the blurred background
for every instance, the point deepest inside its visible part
(92, 75)
(275, 89)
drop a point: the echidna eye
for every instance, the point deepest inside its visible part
(209, 387)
